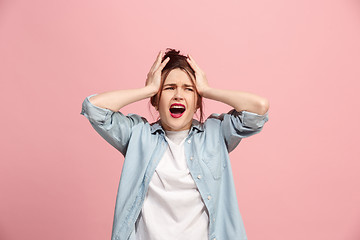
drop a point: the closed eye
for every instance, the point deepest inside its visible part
(190, 89)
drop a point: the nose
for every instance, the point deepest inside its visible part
(178, 94)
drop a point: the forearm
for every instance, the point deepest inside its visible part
(115, 100)
(241, 101)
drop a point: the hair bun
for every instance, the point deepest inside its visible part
(173, 54)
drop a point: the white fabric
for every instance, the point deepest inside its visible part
(173, 208)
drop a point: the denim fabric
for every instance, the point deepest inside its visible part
(206, 151)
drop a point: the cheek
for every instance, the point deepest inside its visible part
(163, 102)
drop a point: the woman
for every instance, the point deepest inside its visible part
(176, 180)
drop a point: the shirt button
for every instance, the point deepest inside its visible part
(199, 176)
(191, 158)
(189, 141)
(209, 197)
(214, 219)
(214, 238)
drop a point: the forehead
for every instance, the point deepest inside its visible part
(178, 76)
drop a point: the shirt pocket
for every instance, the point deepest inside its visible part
(215, 162)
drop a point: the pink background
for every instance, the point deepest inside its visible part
(298, 179)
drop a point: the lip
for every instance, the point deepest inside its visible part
(177, 104)
(179, 114)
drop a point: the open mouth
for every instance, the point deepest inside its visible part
(177, 110)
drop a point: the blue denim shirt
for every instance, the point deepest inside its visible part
(206, 151)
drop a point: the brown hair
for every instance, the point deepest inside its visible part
(177, 61)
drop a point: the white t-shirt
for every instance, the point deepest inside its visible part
(173, 208)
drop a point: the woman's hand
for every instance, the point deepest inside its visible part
(154, 76)
(201, 80)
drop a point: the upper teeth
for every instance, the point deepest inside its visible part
(177, 106)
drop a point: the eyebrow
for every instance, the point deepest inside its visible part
(174, 84)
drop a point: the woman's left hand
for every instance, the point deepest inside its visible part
(201, 80)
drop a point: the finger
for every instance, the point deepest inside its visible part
(163, 64)
(193, 60)
(192, 63)
(157, 61)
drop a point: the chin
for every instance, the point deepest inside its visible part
(176, 127)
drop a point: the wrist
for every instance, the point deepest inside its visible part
(204, 91)
(151, 90)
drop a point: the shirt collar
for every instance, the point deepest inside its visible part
(156, 126)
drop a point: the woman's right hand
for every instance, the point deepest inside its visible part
(154, 76)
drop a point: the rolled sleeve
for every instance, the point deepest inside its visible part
(114, 127)
(237, 125)
(253, 120)
(94, 113)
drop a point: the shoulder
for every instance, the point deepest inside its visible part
(136, 118)
(215, 119)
